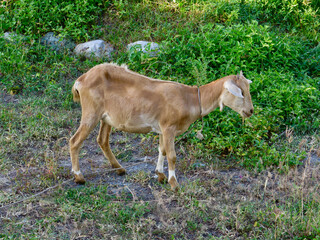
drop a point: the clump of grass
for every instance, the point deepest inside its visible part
(140, 177)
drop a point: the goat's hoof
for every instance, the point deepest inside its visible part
(121, 171)
(161, 177)
(174, 184)
(78, 178)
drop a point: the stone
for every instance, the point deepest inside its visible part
(150, 48)
(4, 181)
(313, 158)
(56, 43)
(96, 49)
(12, 36)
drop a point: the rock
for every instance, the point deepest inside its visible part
(313, 158)
(12, 36)
(95, 48)
(150, 48)
(56, 43)
(4, 181)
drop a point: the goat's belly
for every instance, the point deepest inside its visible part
(132, 126)
(134, 129)
(143, 128)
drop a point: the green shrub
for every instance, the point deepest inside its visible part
(296, 16)
(282, 91)
(295, 100)
(30, 68)
(77, 19)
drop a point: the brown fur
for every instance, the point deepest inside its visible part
(120, 98)
(76, 96)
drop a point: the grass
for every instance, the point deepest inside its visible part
(245, 180)
(211, 204)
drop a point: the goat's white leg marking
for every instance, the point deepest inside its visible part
(161, 158)
(159, 169)
(76, 172)
(172, 173)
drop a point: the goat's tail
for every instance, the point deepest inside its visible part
(75, 92)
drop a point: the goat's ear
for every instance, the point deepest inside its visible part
(241, 75)
(233, 89)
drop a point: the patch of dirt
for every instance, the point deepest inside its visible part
(133, 155)
(138, 156)
(7, 98)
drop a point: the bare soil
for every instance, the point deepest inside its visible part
(137, 156)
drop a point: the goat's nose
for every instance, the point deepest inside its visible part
(251, 110)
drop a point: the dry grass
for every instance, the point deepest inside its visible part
(213, 202)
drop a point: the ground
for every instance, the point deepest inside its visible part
(216, 199)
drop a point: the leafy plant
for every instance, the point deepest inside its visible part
(284, 91)
(76, 19)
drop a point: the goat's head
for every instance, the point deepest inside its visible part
(236, 95)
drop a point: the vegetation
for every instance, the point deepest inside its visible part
(274, 42)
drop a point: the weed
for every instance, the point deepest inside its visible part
(140, 177)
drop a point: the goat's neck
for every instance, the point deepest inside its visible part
(210, 96)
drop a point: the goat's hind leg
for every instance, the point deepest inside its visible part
(159, 169)
(103, 141)
(75, 145)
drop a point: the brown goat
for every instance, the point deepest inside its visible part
(128, 101)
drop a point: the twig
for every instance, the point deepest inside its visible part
(134, 198)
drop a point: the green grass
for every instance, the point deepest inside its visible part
(85, 206)
(275, 44)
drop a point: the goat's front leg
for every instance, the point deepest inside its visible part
(168, 141)
(103, 141)
(159, 169)
(75, 145)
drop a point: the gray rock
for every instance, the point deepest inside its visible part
(12, 36)
(313, 158)
(95, 49)
(4, 181)
(56, 43)
(150, 48)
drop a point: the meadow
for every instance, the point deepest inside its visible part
(252, 179)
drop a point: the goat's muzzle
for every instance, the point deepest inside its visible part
(247, 114)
